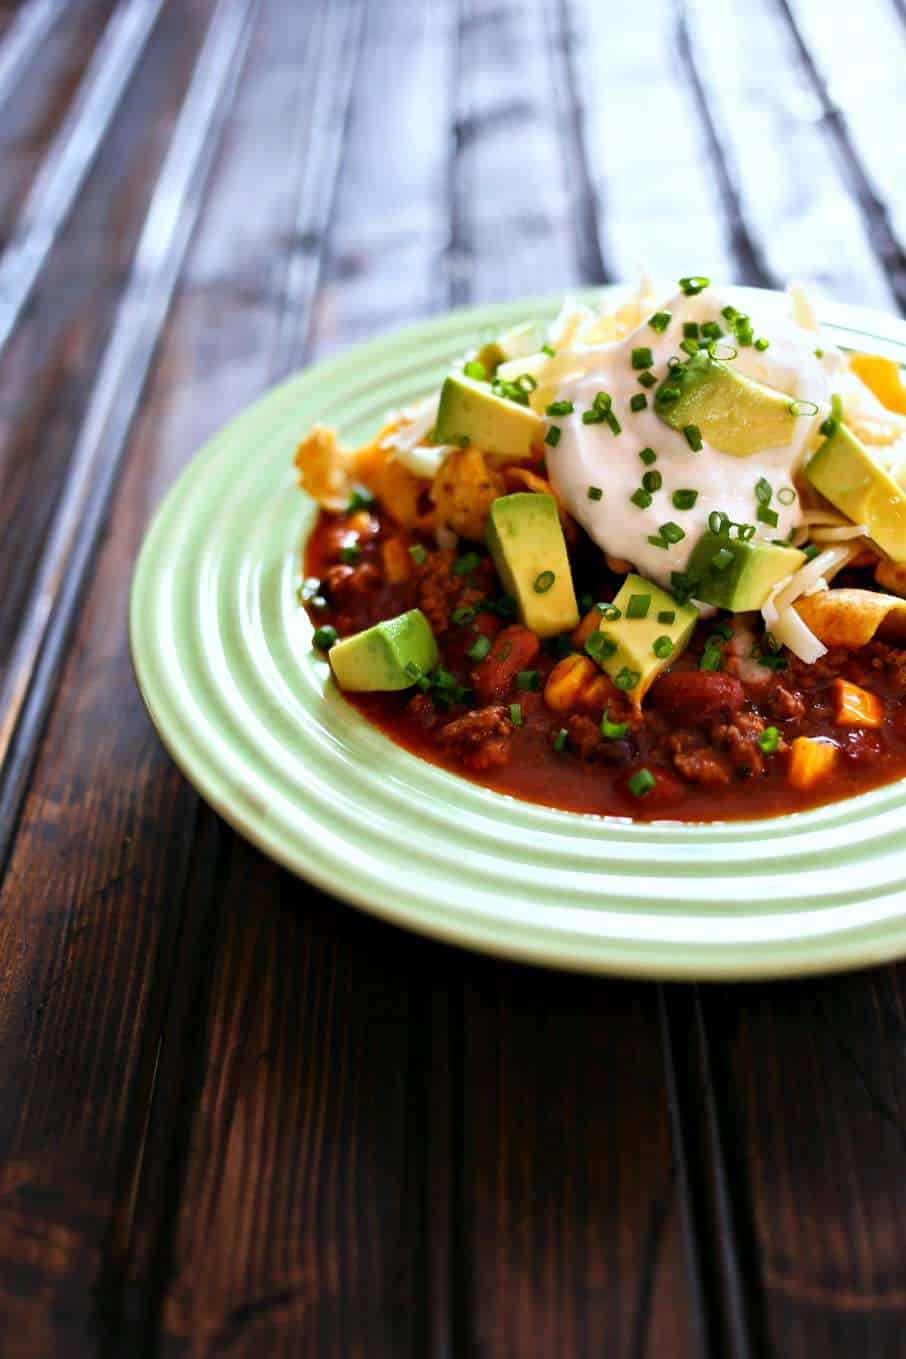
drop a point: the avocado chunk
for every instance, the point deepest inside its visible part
(652, 630)
(469, 410)
(739, 575)
(529, 552)
(391, 655)
(847, 475)
(732, 412)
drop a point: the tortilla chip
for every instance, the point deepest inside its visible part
(892, 576)
(852, 618)
(324, 468)
(464, 490)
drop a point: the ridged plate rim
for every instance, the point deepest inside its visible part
(222, 656)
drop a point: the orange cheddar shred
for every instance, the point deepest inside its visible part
(881, 376)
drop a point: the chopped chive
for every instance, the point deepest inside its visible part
(479, 648)
(595, 493)
(767, 516)
(627, 679)
(666, 616)
(836, 407)
(746, 532)
(827, 426)
(722, 559)
(718, 522)
(659, 321)
(528, 679)
(599, 646)
(761, 344)
(803, 408)
(652, 481)
(647, 379)
(711, 659)
(476, 370)
(609, 611)
(560, 740)
(769, 740)
(690, 330)
(638, 606)
(642, 357)
(464, 614)
(657, 541)
(819, 353)
(560, 408)
(543, 582)
(711, 331)
(324, 637)
(641, 783)
(641, 498)
(592, 417)
(613, 731)
(729, 313)
(663, 647)
(516, 714)
(418, 554)
(667, 395)
(360, 499)
(552, 437)
(308, 589)
(764, 491)
(648, 456)
(786, 495)
(694, 284)
(672, 532)
(638, 402)
(549, 350)
(689, 347)
(466, 563)
(684, 499)
(682, 586)
(612, 423)
(693, 437)
(414, 670)
(350, 554)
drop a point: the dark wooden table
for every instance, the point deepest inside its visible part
(237, 1117)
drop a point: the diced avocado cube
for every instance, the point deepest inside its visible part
(732, 412)
(739, 575)
(391, 655)
(635, 647)
(470, 410)
(529, 551)
(847, 475)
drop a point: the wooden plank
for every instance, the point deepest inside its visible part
(75, 944)
(71, 156)
(21, 37)
(769, 126)
(660, 209)
(512, 233)
(40, 72)
(96, 458)
(573, 1243)
(855, 67)
(812, 1093)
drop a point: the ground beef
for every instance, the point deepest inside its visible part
(481, 740)
(740, 739)
(441, 590)
(584, 736)
(783, 704)
(694, 760)
(344, 584)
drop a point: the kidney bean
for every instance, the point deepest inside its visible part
(513, 650)
(697, 694)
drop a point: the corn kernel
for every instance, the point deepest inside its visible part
(396, 561)
(576, 683)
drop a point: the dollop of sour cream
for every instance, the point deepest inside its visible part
(591, 458)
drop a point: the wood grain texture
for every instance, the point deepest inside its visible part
(811, 1081)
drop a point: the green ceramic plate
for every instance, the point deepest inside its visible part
(223, 656)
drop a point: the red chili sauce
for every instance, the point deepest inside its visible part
(700, 733)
